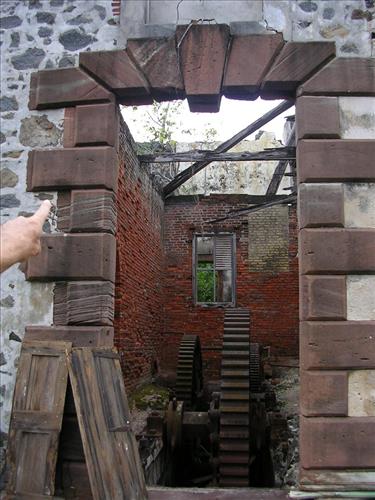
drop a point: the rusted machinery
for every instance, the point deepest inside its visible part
(226, 442)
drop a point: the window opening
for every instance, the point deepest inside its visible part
(214, 268)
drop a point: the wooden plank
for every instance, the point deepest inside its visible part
(79, 336)
(186, 174)
(271, 154)
(280, 167)
(111, 450)
(36, 418)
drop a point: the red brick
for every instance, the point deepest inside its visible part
(336, 251)
(324, 393)
(321, 205)
(323, 297)
(317, 117)
(337, 345)
(335, 160)
(338, 443)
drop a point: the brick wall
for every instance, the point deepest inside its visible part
(139, 269)
(271, 295)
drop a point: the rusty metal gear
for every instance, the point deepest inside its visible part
(234, 442)
(189, 382)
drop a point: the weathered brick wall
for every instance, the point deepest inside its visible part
(139, 295)
(272, 297)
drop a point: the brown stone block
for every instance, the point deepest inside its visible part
(324, 394)
(72, 168)
(116, 70)
(249, 59)
(296, 63)
(337, 345)
(157, 58)
(96, 124)
(336, 251)
(84, 303)
(337, 480)
(321, 205)
(335, 160)
(323, 297)
(337, 443)
(57, 88)
(82, 336)
(74, 257)
(89, 211)
(343, 76)
(203, 51)
(318, 117)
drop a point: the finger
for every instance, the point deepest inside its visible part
(42, 213)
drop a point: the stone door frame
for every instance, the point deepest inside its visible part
(336, 449)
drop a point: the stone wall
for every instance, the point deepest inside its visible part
(35, 35)
(347, 22)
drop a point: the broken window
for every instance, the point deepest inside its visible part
(214, 268)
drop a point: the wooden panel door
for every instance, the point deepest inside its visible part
(110, 447)
(38, 406)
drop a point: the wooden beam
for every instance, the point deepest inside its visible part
(186, 174)
(291, 198)
(281, 167)
(270, 154)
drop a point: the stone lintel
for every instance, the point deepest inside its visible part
(350, 76)
(250, 57)
(58, 88)
(203, 50)
(296, 62)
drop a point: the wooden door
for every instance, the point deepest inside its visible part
(109, 444)
(38, 406)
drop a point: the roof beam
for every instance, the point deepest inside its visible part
(270, 154)
(196, 167)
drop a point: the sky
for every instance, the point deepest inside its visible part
(232, 117)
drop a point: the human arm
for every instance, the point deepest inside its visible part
(20, 237)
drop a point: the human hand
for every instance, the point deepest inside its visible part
(20, 237)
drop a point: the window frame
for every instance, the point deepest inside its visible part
(195, 268)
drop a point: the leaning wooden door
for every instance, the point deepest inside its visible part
(38, 406)
(111, 451)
